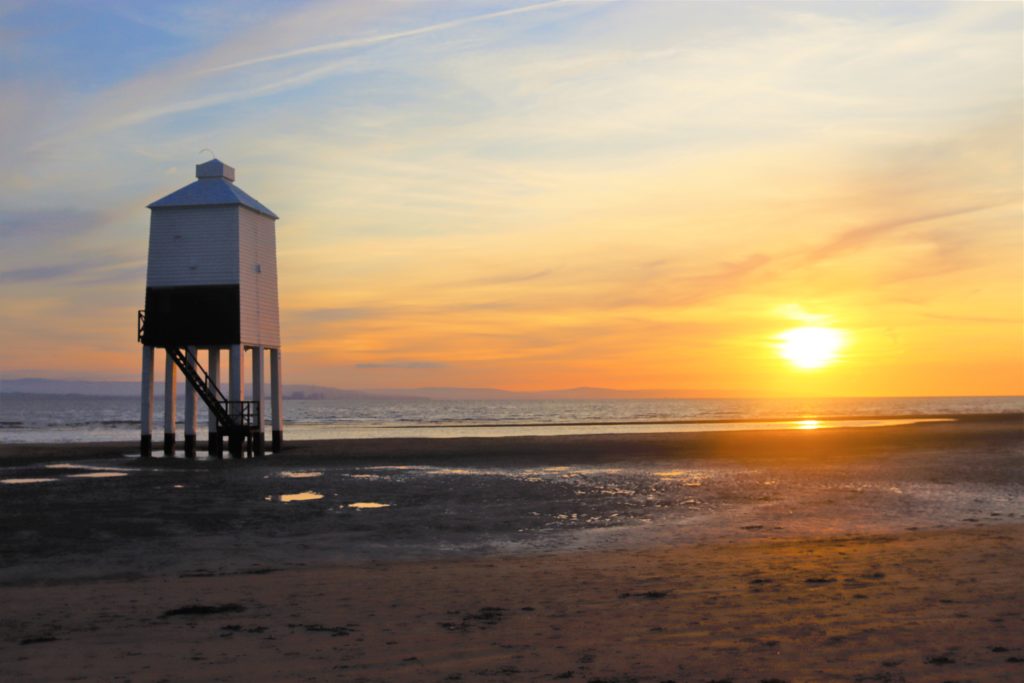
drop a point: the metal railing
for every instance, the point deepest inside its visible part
(231, 414)
(243, 412)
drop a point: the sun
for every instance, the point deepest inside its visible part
(810, 347)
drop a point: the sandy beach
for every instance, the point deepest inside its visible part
(871, 554)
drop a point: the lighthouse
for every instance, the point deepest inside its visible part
(211, 286)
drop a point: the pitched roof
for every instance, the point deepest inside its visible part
(214, 187)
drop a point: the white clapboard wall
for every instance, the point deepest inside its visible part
(212, 249)
(258, 279)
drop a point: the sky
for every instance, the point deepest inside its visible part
(530, 196)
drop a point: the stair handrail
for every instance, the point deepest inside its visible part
(201, 384)
(246, 407)
(195, 373)
(204, 376)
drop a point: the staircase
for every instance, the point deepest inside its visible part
(238, 420)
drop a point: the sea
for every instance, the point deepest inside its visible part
(46, 418)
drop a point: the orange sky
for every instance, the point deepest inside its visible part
(635, 196)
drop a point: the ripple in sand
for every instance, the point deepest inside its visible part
(27, 480)
(295, 497)
(367, 505)
(399, 467)
(301, 475)
(684, 477)
(98, 475)
(91, 468)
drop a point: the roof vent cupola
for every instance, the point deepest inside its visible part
(215, 168)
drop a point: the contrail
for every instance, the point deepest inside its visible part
(373, 40)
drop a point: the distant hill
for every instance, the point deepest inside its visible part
(35, 385)
(314, 391)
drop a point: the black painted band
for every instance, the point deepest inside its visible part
(202, 315)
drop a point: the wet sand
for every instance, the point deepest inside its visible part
(884, 554)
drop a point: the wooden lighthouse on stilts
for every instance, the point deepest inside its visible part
(211, 285)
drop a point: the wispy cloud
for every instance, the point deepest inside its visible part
(979, 319)
(86, 270)
(262, 89)
(54, 224)
(403, 365)
(57, 271)
(339, 314)
(860, 237)
(504, 279)
(338, 45)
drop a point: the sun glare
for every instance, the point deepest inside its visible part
(810, 347)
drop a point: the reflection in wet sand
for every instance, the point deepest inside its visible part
(198, 456)
(27, 480)
(301, 475)
(293, 497)
(367, 505)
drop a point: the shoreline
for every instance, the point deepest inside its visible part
(966, 427)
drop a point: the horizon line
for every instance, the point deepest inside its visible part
(675, 394)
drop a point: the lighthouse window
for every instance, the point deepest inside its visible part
(256, 268)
